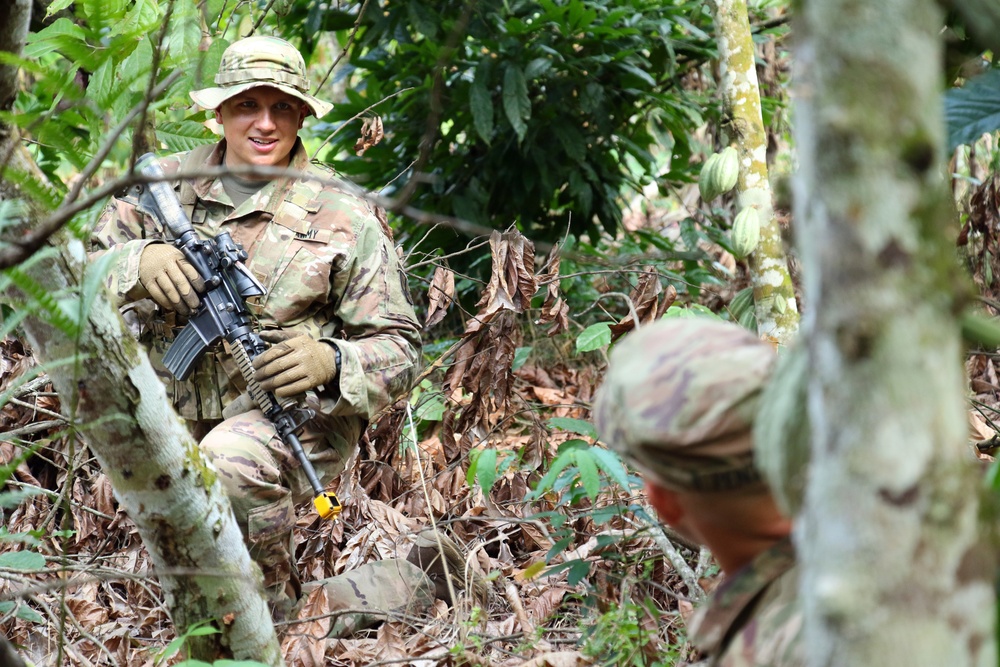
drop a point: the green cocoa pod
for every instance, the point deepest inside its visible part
(746, 232)
(718, 175)
(706, 185)
(727, 170)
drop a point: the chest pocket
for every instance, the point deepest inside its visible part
(293, 259)
(298, 282)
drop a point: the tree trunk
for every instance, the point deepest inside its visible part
(112, 396)
(774, 298)
(893, 572)
(168, 488)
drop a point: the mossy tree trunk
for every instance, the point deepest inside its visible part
(774, 297)
(893, 572)
(112, 397)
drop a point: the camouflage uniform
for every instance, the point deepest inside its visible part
(679, 399)
(753, 619)
(326, 258)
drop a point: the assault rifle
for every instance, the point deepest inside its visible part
(223, 315)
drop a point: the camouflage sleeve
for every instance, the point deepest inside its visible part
(125, 231)
(381, 350)
(772, 637)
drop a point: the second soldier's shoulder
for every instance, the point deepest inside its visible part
(772, 636)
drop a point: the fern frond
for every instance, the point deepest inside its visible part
(42, 302)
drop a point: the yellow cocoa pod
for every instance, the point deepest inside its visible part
(746, 232)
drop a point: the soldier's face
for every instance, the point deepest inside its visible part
(261, 125)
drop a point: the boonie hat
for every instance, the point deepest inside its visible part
(260, 61)
(679, 399)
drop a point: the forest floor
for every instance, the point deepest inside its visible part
(574, 578)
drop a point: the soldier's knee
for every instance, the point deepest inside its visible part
(238, 449)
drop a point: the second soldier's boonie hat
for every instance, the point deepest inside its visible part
(679, 399)
(260, 61)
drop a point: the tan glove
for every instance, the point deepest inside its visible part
(169, 278)
(295, 365)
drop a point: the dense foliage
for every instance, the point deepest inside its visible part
(537, 113)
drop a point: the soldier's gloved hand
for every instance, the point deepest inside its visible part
(169, 278)
(294, 365)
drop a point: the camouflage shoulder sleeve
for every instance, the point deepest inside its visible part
(753, 613)
(122, 230)
(772, 636)
(380, 351)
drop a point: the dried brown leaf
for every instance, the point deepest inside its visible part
(371, 134)
(645, 298)
(305, 643)
(440, 295)
(543, 604)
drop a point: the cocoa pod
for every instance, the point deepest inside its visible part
(719, 173)
(746, 232)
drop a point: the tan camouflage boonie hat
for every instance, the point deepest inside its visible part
(679, 399)
(260, 61)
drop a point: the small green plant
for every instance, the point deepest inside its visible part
(627, 635)
(22, 560)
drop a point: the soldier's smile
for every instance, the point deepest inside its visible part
(261, 126)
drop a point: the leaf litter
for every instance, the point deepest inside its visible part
(555, 564)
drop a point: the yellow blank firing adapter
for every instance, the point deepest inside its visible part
(327, 506)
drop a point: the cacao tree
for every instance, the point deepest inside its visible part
(890, 480)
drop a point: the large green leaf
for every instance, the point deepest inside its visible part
(973, 110)
(481, 102)
(22, 560)
(516, 104)
(185, 135)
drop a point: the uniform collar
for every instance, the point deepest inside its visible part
(729, 606)
(269, 198)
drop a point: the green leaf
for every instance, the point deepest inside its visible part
(422, 19)
(23, 560)
(135, 68)
(101, 82)
(26, 613)
(11, 499)
(578, 571)
(580, 426)
(521, 355)
(56, 7)
(611, 464)
(486, 469)
(481, 102)
(743, 310)
(695, 310)
(973, 110)
(61, 35)
(589, 476)
(142, 18)
(516, 105)
(594, 337)
(537, 67)
(559, 547)
(545, 483)
(7, 606)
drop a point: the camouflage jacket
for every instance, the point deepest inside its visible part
(754, 618)
(330, 269)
